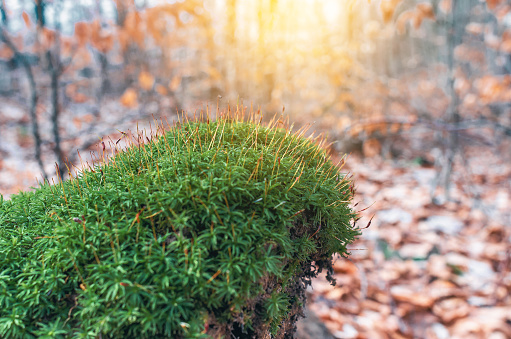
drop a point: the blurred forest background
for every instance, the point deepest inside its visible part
(418, 91)
(367, 71)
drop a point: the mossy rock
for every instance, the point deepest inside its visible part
(211, 229)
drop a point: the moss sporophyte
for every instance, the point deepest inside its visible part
(208, 229)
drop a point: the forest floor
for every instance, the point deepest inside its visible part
(422, 269)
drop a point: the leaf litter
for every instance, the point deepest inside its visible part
(422, 269)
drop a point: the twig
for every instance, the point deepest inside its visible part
(452, 113)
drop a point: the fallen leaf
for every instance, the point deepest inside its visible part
(146, 80)
(371, 147)
(129, 98)
(451, 309)
(405, 293)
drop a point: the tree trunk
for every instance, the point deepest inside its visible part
(55, 69)
(3, 13)
(39, 13)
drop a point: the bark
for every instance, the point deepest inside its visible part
(39, 13)
(55, 70)
(105, 81)
(103, 59)
(3, 13)
(54, 76)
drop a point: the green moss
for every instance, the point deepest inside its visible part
(210, 229)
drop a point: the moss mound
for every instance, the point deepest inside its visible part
(212, 229)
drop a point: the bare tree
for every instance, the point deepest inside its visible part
(4, 36)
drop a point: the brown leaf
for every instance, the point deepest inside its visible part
(440, 289)
(475, 28)
(214, 74)
(445, 6)
(67, 46)
(73, 94)
(80, 98)
(387, 9)
(426, 10)
(162, 90)
(134, 29)
(129, 98)
(505, 46)
(101, 39)
(345, 266)
(5, 52)
(71, 89)
(47, 38)
(451, 309)
(145, 80)
(82, 33)
(406, 294)
(175, 83)
(437, 267)
(26, 19)
(77, 122)
(484, 321)
(492, 4)
(88, 118)
(371, 147)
